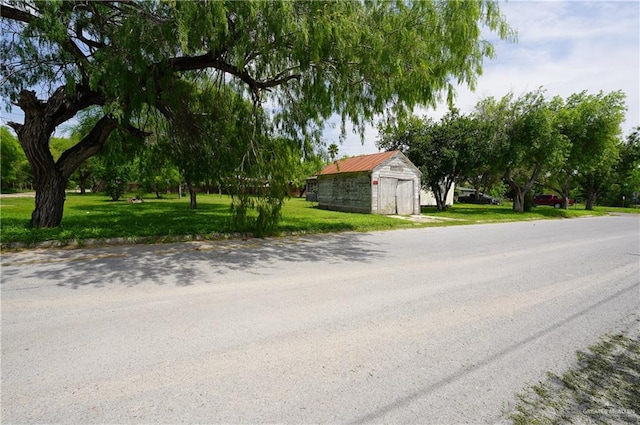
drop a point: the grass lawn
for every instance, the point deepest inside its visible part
(93, 216)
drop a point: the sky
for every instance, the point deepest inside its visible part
(565, 47)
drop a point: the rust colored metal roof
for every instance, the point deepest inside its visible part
(358, 163)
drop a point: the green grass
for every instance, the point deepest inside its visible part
(94, 216)
(471, 213)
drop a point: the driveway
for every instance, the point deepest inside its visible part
(434, 325)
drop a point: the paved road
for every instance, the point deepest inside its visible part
(438, 325)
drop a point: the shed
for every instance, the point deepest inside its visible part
(382, 183)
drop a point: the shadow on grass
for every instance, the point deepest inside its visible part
(186, 264)
(95, 217)
(108, 219)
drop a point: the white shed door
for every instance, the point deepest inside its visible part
(387, 195)
(395, 196)
(404, 197)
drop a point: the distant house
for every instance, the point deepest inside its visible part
(382, 183)
(312, 189)
(427, 199)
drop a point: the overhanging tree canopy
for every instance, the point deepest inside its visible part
(304, 60)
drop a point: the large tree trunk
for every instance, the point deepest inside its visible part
(50, 197)
(565, 195)
(192, 195)
(518, 200)
(50, 178)
(440, 192)
(83, 177)
(49, 182)
(518, 192)
(592, 196)
(40, 121)
(565, 201)
(437, 193)
(592, 185)
(519, 189)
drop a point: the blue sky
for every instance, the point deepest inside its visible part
(564, 46)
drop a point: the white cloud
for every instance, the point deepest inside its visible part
(565, 47)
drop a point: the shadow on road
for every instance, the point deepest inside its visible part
(182, 264)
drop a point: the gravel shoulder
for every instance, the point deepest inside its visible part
(602, 387)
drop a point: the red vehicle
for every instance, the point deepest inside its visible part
(552, 200)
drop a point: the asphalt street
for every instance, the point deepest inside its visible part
(433, 325)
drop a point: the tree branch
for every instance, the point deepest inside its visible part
(62, 105)
(72, 158)
(90, 43)
(18, 15)
(16, 126)
(210, 60)
(14, 14)
(134, 131)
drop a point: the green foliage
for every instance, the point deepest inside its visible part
(593, 127)
(445, 151)
(333, 151)
(600, 118)
(355, 58)
(58, 145)
(113, 166)
(170, 219)
(525, 138)
(115, 181)
(207, 132)
(154, 172)
(262, 184)
(215, 134)
(307, 60)
(158, 220)
(310, 164)
(627, 172)
(496, 190)
(112, 175)
(12, 160)
(591, 123)
(265, 181)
